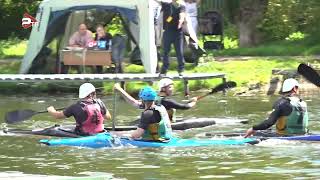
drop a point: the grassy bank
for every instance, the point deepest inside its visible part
(245, 73)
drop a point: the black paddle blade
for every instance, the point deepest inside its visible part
(18, 116)
(221, 87)
(309, 73)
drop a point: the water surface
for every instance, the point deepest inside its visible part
(22, 156)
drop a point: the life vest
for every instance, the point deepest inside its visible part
(94, 122)
(172, 115)
(297, 121)
(171, 112)
(159, 131)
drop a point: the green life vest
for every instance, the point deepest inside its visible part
(159, 131)
(297, 121)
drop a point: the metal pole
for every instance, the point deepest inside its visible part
(224, 81)
(114, 111)
(186, 87)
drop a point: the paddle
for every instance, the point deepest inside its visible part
(22, 115)
(309, 73)
(218, 88)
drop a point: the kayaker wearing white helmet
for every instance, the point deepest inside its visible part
(165, 91)
(89, 112)
(154, 122)
(289, 113)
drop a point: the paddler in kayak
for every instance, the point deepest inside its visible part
(89, 112)
(154, 122)
(289, 113)
(165, 91)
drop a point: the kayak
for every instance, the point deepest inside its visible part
(56, 130)
(179, 125)
(191, 123)
(307, 137)
(107, 140)
(68, 131)
(271, 135)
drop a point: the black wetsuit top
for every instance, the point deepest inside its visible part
(170, 10)
(169, 103)
(281, 107)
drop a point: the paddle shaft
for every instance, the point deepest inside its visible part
(58, 109)
(203, 96)
(198, 97)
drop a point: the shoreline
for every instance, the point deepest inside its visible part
(257, 75)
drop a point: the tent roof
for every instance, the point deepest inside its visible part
(63, 4)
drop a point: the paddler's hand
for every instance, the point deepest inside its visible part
(249, 132)
(117, 87)
(51, 109)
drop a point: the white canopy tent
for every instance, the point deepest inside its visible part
(50, 11)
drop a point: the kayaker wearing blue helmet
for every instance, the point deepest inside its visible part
(154, 121)
(289, 113)
(166, 88)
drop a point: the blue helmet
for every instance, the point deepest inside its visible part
(147, 94)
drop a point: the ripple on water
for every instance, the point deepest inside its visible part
(142, 166)
(20, 175)
(207, 167)
(216, 177)
(231, 163)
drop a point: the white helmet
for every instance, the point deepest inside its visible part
(289, 84)
(164, 83)
(86, 89)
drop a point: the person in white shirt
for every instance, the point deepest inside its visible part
(192, 11)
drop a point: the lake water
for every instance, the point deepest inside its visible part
(23, 157)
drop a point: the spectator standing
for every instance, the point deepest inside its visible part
(173, 17)
(192, 11)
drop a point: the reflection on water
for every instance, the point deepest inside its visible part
(23, 157)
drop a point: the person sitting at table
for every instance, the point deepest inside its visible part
(104, 40)
(82, 37)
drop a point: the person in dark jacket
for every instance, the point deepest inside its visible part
(173, 16)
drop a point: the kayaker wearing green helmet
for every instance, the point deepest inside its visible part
(89, 112)
(289, 113)
(154, 121)
(165, 91)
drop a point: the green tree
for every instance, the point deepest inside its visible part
(11, 13)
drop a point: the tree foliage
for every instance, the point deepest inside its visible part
(280, 19)
(11, 13)
(285, 17)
